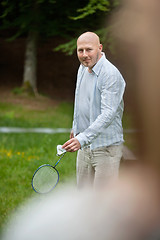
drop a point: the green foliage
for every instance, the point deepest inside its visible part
(17, 90)
(50, 17)
(68, 47)
(26, 89)
(105, 38)
(92, 7)
(47, 17)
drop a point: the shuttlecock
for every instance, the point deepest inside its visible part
(60, 150)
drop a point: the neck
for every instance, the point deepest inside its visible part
(90, 70)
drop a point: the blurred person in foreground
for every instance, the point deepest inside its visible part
(97, 131)
(126, 209)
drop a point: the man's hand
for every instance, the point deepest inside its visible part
(72, 145)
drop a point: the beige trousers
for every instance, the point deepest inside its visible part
(98, 166)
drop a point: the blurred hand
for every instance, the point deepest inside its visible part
(72, 145)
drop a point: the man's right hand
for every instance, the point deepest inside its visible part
(72, 145)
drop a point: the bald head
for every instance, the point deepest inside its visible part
(89, 36)
(89, 49)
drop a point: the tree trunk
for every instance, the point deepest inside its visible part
(30, 65)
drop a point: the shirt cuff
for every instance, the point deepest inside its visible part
(82, 139)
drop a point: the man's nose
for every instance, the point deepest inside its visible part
(84, 53)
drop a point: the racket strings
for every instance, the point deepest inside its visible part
(45, 179)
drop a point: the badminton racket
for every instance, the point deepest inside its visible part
(45, 178)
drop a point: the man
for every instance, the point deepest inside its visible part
(97, 131)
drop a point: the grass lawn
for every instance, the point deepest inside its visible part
(22, 153)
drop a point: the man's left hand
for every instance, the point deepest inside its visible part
(72, 145)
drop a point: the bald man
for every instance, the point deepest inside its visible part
(97, 132)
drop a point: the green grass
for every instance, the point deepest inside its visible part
(22, 153)
(19, 116)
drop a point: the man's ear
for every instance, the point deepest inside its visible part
(100, 47)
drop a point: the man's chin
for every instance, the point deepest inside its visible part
(86, 65)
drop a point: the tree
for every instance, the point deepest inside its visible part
(34, 19)
(93, 8)
(46, 18)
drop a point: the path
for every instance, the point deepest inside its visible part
(45, 130)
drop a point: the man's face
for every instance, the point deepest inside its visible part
(88, 52)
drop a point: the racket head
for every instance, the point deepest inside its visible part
(45, 179)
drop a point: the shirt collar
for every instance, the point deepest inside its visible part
(96, 69)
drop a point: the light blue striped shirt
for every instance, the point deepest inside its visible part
(85, 92)
(105, 106)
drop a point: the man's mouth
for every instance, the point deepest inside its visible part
(86, 60)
